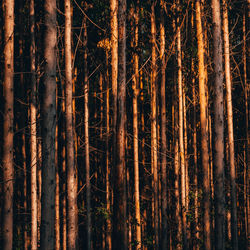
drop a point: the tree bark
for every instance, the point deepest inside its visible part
(135, 86)
(7, 161)
(119, 222)
(181, 140)
(48, 127)
(86, 133)
(154, 128)
(234, 232)
(164, 238)
(33, 145)
(114, 71)
(218, 129)
(71, 170)
(204, 129)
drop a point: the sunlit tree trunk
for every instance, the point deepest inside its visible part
(135, 86)
(48, 127)
(181, 140)
(114, 71)
(33, 145)
(218, 129)
(164, 238)
(7, 160)
(154, 128)
(196, 216)
(234, 232)
(119, 222)
(86, 133)
(71, 170)
(204, 131)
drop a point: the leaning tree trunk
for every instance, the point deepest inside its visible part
(218, 129)
(33, 145)
(234, 232)
(119, 222)
(7, 161)
(48, 127)
(204, 129)
(71, 171)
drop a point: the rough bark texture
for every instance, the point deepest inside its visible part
(33, 145)
(218, 129)
(119, 222)
(7, 161)
(234, 233)
(71, 170)
(204, 129)
(48, 127)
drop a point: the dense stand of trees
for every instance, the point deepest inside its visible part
(124, 124)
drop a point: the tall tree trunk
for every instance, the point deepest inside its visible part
(119, 222)
(164, 238)
(108, 193)
(135, 86)
(48, 127)
(7, 161)
(204, 130)
(86, 133)
(114, 71)
(234, 232)
(63, 172)
(71, 170)
(181, 141)
(154, 128)
(196, 189)
(33, 145)
(218, 129)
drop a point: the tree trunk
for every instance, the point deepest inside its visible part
(204, 131)
(33, 145)
(114, 71)
(119, 222)
(135, 86)
(48, 127)
(164, 238)
(57, 197)
(234, 232)
(218, 129)
(196, 189)
(108, 193)
(86, 133)
(71, 170)
(7, 161)
(154, 128)
(181, 140)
